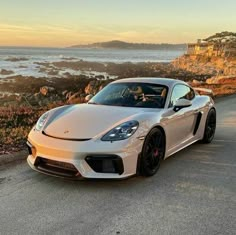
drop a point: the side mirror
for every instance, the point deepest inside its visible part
(88, 98)
(182, 103)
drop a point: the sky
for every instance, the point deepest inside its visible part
(61, 23)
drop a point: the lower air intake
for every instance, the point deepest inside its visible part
(106, 163)
(58, 168)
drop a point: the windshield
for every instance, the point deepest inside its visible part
(143, 95)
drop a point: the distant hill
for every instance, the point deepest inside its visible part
(115, 44)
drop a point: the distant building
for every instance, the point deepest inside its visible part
(212, 48)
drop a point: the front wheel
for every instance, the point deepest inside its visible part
(152, 152)
(210, 127)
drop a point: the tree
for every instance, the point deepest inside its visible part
(222, 37)
(223, 41)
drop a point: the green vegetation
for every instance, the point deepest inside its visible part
(222, 37)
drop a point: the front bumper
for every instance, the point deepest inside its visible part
(83, 159)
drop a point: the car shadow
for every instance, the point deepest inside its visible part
(170, 169)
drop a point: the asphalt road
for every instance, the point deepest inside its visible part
(194, 192)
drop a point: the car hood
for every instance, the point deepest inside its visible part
(86, 121)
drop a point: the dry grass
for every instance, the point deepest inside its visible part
(15, 126)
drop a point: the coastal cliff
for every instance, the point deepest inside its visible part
(204, 65)
(214, 56)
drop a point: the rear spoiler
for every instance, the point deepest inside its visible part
(204, 91)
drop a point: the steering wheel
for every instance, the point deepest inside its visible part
(148, 99)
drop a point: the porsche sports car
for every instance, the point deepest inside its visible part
(127, 128)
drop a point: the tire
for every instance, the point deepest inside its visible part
(210, 127)
(152, 153)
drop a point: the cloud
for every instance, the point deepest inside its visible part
(14, 28)
(35, 28)
(63, 35)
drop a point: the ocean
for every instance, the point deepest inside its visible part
(24, 60)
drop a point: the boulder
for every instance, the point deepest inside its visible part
(45, 90)
(64, 92)
(93, 87)
(69, 94)
(75, 98)
(195, 82)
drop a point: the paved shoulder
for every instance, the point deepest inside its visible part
(194, 192)
(13, 157)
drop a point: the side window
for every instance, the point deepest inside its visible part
(181, 92)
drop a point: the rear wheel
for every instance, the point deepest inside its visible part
(152, 152)
(210, 127)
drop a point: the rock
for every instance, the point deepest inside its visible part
(42, 100)
(6, 72)
(42, 69)
(203, 65)
(23, 67)
(53, 72)
(67, 74)
(37, 95)
(88, 97)
(64, 93)
(75, 95)
(75, 98)
(222, 80)
(93, 87)
(195, 82)
(45, 90)
(100, 77)
(15, 59)
(69, 94)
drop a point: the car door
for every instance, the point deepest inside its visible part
(180, 124)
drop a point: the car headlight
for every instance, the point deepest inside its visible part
(121, 132)
(42, 120)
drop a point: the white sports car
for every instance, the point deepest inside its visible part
(128, 128)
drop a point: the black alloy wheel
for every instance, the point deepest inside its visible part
(210, 127)
(153, 152)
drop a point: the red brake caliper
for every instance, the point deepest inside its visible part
(156, 152)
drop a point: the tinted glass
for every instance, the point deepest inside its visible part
(143, 95)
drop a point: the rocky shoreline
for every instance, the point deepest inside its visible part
(24, 98)
(69, 88)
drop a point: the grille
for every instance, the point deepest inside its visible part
(63, 169)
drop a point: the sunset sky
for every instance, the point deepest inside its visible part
(60, 23)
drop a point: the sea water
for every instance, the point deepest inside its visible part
(24, 60)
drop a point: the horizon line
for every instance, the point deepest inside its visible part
(87, 44)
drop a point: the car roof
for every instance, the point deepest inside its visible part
(162, 81)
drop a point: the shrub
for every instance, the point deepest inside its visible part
(15, 124)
